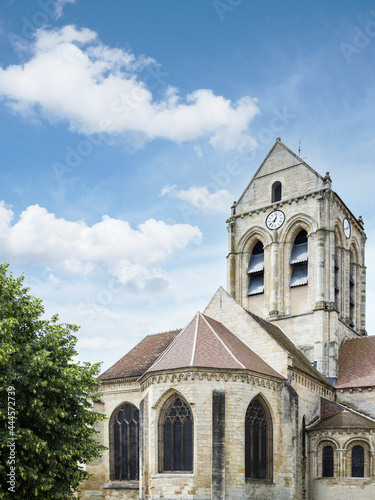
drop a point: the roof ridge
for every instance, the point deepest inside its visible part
(170, 345)
(195, 340)
(226, 347)
(165, 331)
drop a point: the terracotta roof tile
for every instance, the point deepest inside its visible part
(300, 361)
(357, 363)
(328, 408)
(141, 357)
(207, 343)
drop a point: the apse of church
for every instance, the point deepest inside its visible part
(270, 392)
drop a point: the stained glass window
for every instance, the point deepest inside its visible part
(327, 460)
(258, 441)
(124, 429)
(358, 461)
(176, 437)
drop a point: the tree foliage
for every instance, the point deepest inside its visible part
(54, 421)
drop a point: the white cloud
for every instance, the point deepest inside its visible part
(198, 150)
(201, 199)
(133, 256)
(71, 76)
(59, 6)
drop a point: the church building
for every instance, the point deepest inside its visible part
(269, 393)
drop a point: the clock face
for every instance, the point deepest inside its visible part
(347, 228)
(275, 219)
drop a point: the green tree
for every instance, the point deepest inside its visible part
(54, 421)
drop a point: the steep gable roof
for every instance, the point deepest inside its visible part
(357, 363)
(268, 166)
(137, 361)
(207, 343)
(299, 360)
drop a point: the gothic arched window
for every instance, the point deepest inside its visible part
(276, 191)
(176, 436)
(258, 441)
(358, 461)
(124, 443)
(256, 270)
(303, 437)
(327, 461)
(298, 260)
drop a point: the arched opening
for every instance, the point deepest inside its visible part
(358, 461)
(258, 441)
(327, 461)
(304, 437)
(176, 436)
(255, 270)
(352, 289)
(299, 259)
(276, 191)
(124, 443)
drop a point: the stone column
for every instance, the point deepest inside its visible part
(362, 310)
(319, 271)
(231, 264)
(275, 279)
(218, 445)
(372, 463)
(340, 456)
(143, 462)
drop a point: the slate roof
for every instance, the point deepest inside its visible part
(141, 357)
(299, 360)
(207, 343)
(344, 420)
(357, 363)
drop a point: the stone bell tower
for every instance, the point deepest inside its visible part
(296, 257)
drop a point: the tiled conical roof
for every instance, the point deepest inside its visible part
(205, 342)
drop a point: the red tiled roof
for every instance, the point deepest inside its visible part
(141, 357)
(357, 363)
(328, 408)
(207, 343)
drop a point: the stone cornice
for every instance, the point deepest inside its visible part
(244, 376)
(312, 383)
(279, 204)
(333, 432)
(120, 384)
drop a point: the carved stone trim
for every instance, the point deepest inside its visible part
(206, 374)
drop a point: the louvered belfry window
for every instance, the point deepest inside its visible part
(258, 441)
(125, 443)
(299, 259)
(255, 270)
(176, 436)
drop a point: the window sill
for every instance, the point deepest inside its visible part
(258, 480)
(122, 485)
(174, 475)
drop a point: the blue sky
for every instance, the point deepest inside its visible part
(128, 128)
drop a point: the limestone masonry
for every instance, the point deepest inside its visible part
(268, 394)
